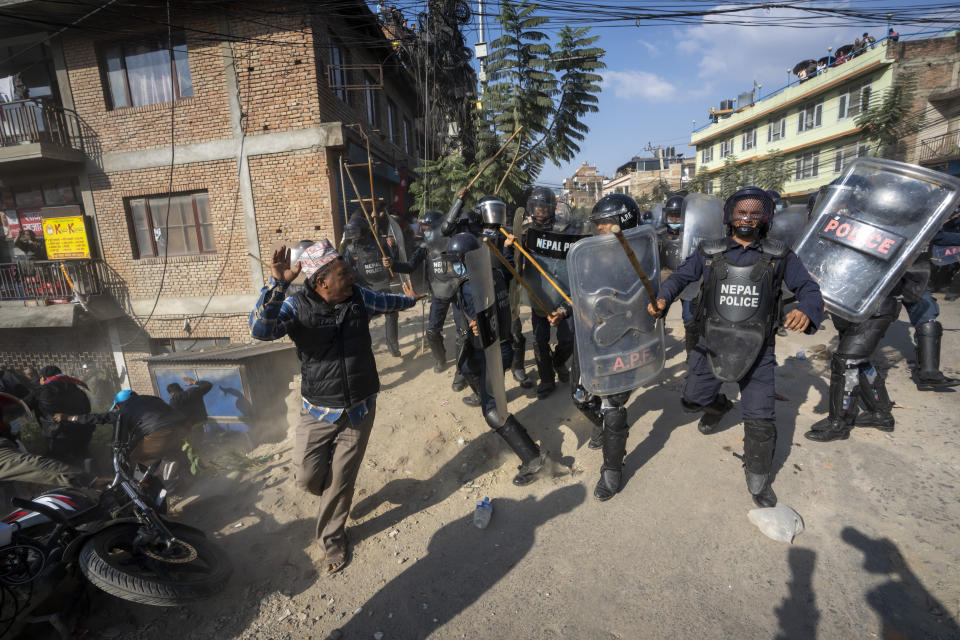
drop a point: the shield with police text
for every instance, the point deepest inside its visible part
(489, 317)
(702, 220)
(788, 225)
(619, 345)
(865, 233)
(549, 248)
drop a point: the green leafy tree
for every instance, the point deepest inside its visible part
(546, 91)
(888, 121)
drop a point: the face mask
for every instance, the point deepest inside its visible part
(459, 268)
(746, 232)
(430, 235)
(675, 226)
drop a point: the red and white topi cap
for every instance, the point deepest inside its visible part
(317, 256)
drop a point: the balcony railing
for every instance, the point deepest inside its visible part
(942, 147)
(38, 120)
(52, 281)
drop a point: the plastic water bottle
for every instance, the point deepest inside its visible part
(481, 515)
(801, 355)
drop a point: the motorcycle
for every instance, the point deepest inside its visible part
(117, 539)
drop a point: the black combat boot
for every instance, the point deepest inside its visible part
(472, 400)
(691, 336)
(615, 432)
(517, 438)
(591, 409)
(561, 354)
(843, 408)
(876, 403)
(393, 333)
(544, 360)
(927, 375)
(438, 350)
(759, 444)
(519, 354)
(712, 413)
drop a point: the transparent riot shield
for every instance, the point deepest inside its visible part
(866, 232)
(702, 220)
(480, 273)
(659, 217)
(788, 225)
(619, 345)
(396, 233)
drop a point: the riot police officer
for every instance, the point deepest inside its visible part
(607, 413)
(737, 314)
(363, 255)
(488, 352)
(673, 214)
(548, 237)
(442, 280)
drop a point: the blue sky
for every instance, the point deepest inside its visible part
(661, 78)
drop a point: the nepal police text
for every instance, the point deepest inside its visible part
(739, 295)
(545, 244)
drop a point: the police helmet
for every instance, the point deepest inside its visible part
(492, 211)
(673, 207)
(542, 199)
(616, 208)
(460, 245)
(646, 217)
(431, 220)
(765, 215)
(297, 250)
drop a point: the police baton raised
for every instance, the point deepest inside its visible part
(516, 276)
(450, 220)
(539, 268)
(373, 227)
(627, 249)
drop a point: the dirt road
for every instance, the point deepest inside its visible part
(672, 556)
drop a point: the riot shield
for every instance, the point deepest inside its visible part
(702, 220)
(788, 225)
(659, 217)
(620, 346)
(396, 233)
(480, 273)
(517, 292)
(865, 233)
(549, 249)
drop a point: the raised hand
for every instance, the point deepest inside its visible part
(280, 267)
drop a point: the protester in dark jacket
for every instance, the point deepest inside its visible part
(11, 382)
(189, 401)
(59, 393)
(16, 465)
(329, 322)
(153, 428)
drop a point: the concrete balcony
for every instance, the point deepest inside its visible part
(37, 135)
(942, 148)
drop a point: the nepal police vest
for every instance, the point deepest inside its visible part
(337, 365)
(549, 248)
(443, 281)
(368, 266)
(740, 307)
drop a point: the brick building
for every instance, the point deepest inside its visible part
(640, 176)
(191, 155)
(584, 187)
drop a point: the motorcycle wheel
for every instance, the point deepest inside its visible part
(196, 568)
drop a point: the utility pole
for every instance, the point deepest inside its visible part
(480, 49)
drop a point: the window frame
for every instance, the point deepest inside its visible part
(707, 157)
(131, 223)
(179, 40)
(817, 108)
(840, 159)
(391, 118)
(750, 135)
(370, 101)
(726, 147)
(337, 54)
(844, 102)
(781, 124)
(805, 163)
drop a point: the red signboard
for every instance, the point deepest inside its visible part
(861, 236)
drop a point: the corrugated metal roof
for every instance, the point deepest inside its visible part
(225, 353)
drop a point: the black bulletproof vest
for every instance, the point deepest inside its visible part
(368, 266)
(337, 366)
(443, 281)
(740, 307)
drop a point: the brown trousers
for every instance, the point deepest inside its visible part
(326, 459)
(165, 443)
